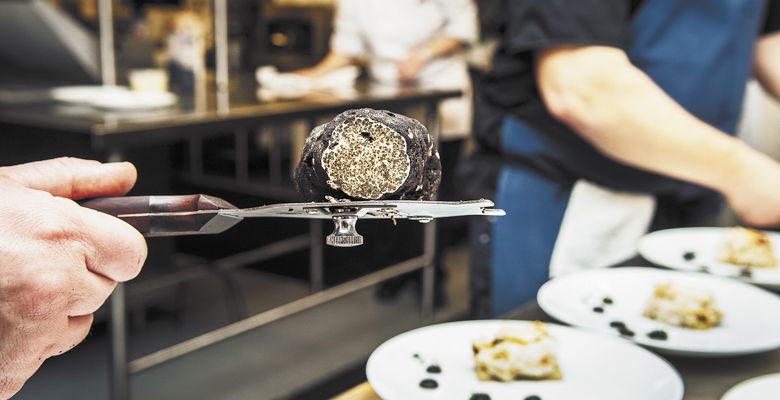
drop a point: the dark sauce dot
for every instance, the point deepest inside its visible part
(746, 272)
(607, 300)
(533, 397)
(626, 332)
(658, 335)
(429, 384)
(617, 324)
(598, 310)
(689, 256)
(705, 269)
(479, 396)
(433, 369)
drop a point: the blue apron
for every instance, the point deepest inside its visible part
(699, 51)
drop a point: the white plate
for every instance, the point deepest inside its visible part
(113, 97)
(750, 323)
(764, 387)
(594, 366)
(667, 247)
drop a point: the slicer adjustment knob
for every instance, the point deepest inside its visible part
(345, 234)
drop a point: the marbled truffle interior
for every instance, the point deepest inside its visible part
(369, 154)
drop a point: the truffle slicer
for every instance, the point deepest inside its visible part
(200, 214)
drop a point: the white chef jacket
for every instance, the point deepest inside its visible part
(386, 31)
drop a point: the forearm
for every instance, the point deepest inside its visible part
(767, 63)
(441, 47)
(628, 117)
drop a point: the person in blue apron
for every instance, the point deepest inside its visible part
(601, 120)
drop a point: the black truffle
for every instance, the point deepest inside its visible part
(369, 154)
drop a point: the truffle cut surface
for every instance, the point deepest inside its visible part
(369, 154)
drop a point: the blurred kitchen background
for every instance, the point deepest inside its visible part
(189, 113)
(302, 317)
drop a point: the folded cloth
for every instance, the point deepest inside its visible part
(290, 83)
(600, 227)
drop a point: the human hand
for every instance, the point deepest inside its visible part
(58, 261)
(409, 68)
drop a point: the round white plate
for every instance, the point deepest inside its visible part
(594, 366)
(764, 387)
(113, 97)
(750, 323)
(667, 248)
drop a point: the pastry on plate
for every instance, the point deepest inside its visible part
(683, 306)
(748, 248)
(369, 154)
(517, 352)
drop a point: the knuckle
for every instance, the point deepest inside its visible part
(41, 297)
(133, 256)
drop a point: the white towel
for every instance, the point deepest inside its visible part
(601, 227)
(289, 84)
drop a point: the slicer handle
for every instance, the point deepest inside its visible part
(150, 214)
(127, 205)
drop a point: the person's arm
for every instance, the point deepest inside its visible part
(58, 261)
(767, 63)
(623, 113)
(332, 61)
(410, 67)
(459, 31)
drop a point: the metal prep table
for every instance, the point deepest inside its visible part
(110, 135)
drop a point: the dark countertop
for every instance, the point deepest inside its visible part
(203, 116)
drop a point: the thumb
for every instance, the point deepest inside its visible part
(74, 178)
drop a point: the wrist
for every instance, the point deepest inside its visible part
(425, 55)
(742, 167)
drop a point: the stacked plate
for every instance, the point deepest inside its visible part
(113, 97)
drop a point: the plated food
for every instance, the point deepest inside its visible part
(664, 310)
(517, 352)
(369, 154)
(740, 253)
(683, 306)
(593, 366)
(748, 248)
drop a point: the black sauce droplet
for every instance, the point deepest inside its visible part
(598, 310)
(479, 396)
(705, 269)
(429, 384)
(607, 300)
(618, 324)
(433, 369)
(689, 256)
(626, 332)
(658, 335)
(533, 397)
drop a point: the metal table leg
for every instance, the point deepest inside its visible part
(315, 255)
(107, 59)
(429, 234)
(428, 273)
(120, 389)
